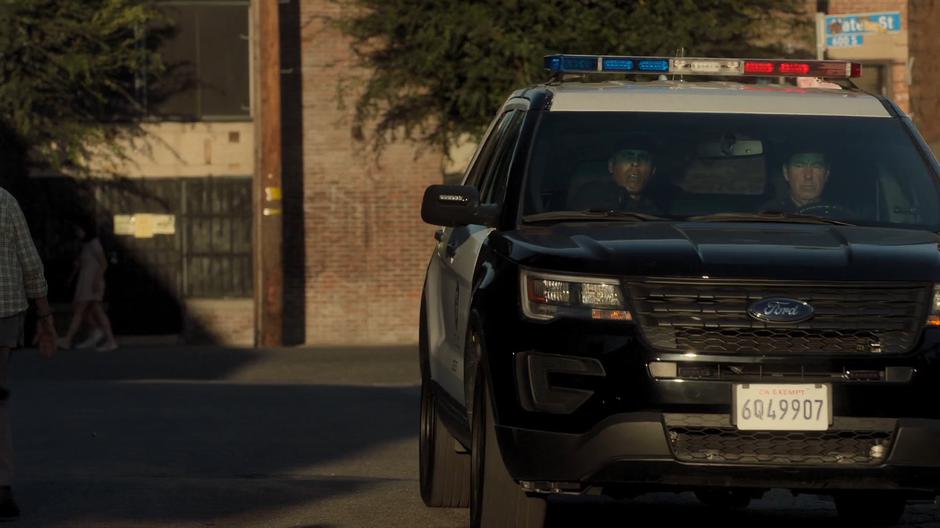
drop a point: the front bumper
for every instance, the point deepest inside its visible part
(635, 450)
(618, 431)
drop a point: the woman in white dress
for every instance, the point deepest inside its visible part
(89, 293)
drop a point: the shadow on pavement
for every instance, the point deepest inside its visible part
(210, 436)
(288, 437)
(334, 365)
(778, 509)
(219, 430)
(134, 363)
(184, 452)
(174, 503)
(677, 510)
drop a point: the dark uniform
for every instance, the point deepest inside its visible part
(783, 204)
(608, 196)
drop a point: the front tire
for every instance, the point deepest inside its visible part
(497, 501)
(444, 472)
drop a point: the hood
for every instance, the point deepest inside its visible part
(732, 250)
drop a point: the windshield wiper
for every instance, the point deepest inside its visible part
(768, 216)
(590, 214)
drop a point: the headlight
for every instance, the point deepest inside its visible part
(546, 296)
(933, 317)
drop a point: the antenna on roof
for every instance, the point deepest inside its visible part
(680, 53)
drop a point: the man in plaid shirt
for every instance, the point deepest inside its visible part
(21, 278)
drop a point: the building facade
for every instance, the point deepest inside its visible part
(178, 224)
(366, 247)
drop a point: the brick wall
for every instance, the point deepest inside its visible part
(366, 247)
(219, 321)
(925, 70)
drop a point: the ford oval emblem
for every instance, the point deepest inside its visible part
(780, 310)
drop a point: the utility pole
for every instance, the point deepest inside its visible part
(269, 229)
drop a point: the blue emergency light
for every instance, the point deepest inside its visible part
(653, 65)
(617, 64)
(700, 66)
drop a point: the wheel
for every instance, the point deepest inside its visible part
(444, 473)
(497, 501)
(869, 508)
(723, 499)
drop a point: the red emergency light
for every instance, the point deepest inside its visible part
(830, 69)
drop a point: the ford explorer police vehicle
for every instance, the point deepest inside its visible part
(712, 280)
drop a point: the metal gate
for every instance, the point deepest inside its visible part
(201, 248)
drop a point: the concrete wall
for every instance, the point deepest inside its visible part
(367, 248)
(199, 149)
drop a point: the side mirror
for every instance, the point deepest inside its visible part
(455, 205)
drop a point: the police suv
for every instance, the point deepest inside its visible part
(723, 278)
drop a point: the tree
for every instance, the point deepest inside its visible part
(72, 75)
(440, 68)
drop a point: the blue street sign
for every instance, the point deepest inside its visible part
(846, 40)
(889, 22)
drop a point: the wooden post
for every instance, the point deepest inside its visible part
(269, 231)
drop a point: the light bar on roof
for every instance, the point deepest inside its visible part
(701, 66)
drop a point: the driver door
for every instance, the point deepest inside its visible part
(457, 252)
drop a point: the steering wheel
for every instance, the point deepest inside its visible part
(826, 210)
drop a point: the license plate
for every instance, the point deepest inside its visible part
(782, 407)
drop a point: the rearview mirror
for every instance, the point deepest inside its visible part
(730, 146)
(454, 205)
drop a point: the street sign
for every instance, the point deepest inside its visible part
(847, 40)
(878, 36)
(889, 22)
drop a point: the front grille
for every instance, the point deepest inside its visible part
(711, 439)
(776, 372)
(710, 316)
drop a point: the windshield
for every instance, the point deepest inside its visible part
(729, 167)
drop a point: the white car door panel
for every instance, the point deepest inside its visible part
(450, 275)
(461, 248)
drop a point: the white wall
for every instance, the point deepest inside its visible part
(174, 150)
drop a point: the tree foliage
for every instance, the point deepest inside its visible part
(440, 68)
(71, 74)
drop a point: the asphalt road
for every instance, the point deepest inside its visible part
(163, 436)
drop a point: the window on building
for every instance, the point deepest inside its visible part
(209, 51)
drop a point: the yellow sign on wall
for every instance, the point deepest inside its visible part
(144, 225)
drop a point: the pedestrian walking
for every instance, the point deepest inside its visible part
(21, 278)
(89, 292)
